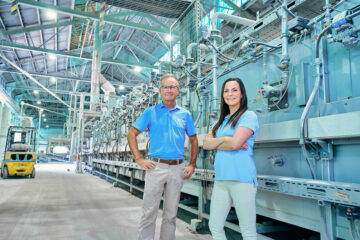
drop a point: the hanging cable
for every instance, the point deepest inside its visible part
(219, 52)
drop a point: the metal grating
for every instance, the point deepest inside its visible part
(164, 8)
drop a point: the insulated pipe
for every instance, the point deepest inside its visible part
(191, 46)
(284, 31)
(284, 65)
(230, 18)
(107, 87)
(199, 115)
(161, 63)
(189, 49)
(214, 89)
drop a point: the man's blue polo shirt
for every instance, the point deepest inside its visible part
(166, 130)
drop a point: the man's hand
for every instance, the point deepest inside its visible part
(147, 164)
(188, 171)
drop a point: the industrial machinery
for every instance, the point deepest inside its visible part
(298, 62)
(20, 156)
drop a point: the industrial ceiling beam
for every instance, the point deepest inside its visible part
(42, 100)
(233, 5)
(92, 16)
(42, 108)
(85, 56)
(60, 92)
(42, 27)
(33, 79)
(127, 13)
(88, 80)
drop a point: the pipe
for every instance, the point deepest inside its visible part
(230, 18)
(284, 64)
(285, 60)
(214, 89)
(189, 49)
(265, 80)
(161, 63)
(264, 44)
(311, 98)
(33, 79)
(199, 115)
(107, 87)
(327, 14)
(191, 46)
(203, 111)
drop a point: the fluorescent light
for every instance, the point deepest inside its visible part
(45, 120)
(121, 87)
(137, 69)
(43, 115)
(51, 14)
(36, 91)
(52, 79)
(38, 102)
(168, 38)
(47, 126)
(52, 56)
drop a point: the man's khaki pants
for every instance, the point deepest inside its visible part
(167, 179)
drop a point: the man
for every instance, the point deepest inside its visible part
(167, 124)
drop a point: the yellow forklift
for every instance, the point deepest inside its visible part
(20, 156)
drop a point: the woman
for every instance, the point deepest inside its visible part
(235, 173)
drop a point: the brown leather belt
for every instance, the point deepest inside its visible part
(170, 162)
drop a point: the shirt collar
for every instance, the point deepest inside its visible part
(162, 105)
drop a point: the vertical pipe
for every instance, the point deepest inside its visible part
(214, 89)
(74, 114)
(265, 80)
(38, 144)
(69, 120)
(284, 30)
(327, 12)
(188, 88)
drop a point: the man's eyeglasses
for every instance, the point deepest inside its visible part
(169, 87)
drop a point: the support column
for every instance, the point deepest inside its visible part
(96, 65)
(2, 148)
(5, 122)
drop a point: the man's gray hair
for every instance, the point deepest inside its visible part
(168, 75)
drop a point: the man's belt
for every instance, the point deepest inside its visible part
(169, 162)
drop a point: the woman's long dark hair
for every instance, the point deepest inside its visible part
(225, 110)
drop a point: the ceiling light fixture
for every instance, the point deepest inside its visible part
(51, 14)
(168, 38)
(36, 91)
(52, 56)
(137, 69)
(121, 87)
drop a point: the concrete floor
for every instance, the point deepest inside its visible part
(59, 204)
